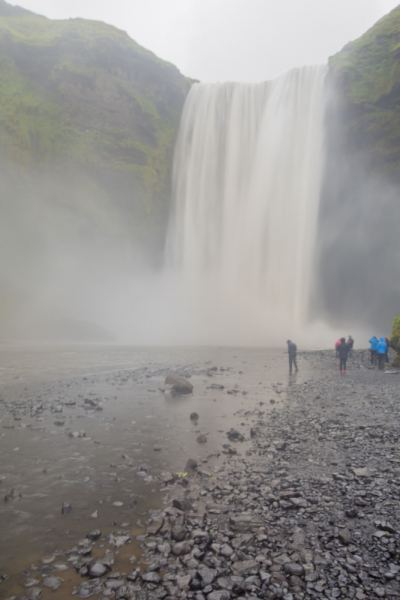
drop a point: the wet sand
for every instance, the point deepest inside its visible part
(319, 463)
(44, 400)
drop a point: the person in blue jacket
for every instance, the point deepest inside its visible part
(374, 346)
(381, 350)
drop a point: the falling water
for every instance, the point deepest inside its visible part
(247, 176)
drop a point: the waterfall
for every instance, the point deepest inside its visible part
(247, 176)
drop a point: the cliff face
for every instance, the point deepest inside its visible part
(88, 112)
(367, 75)
(88, 120)
(360, 209)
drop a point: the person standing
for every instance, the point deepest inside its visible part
(292, 350)
(343, 351)
(387, 350)
(350, 343)
(374, 345)
(381, 351)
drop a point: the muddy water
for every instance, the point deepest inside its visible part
(100, 474)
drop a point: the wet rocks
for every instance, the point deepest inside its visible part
(293, 569)
(306, 508)
(180, 385)
(191, 464)
(34, 593)
(66, 508)
(235, 436)
(52, 582)
(181, 548)
(93, 404)
(201, 439)
(98, 569)
(12, 495)
(94, 535)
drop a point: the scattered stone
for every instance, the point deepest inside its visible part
(344, 536)
(94, 535)
(235, 436)
(293, 569)
(180, 385)
(34, 593)
(66, 508)
(191, 464)
(98, 569)
(52, 582)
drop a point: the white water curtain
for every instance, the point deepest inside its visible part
(247, 178)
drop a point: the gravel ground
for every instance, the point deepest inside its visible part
(303, 502)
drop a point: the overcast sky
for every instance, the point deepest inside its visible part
(235, 40)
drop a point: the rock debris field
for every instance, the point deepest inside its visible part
(301, 500)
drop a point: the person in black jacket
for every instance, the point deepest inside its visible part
(292, 350)
(350, 343)
(343, 350)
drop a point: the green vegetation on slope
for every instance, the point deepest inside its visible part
(84, 105)
(395, 340)
(367, 75)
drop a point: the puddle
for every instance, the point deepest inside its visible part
(57, 450)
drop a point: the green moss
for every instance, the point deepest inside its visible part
(366, 74)
(368, 68)
(81, 97)
(395, 340)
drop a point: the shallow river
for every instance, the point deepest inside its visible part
(56, 449)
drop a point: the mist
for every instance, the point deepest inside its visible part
(358, 250)
(75, 267)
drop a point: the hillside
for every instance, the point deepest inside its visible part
(360, 208)
(87, 109)
(366, 73)
(88, 120)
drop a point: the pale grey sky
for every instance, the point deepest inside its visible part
(235, 40)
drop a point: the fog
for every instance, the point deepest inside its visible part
(72, 269)
(63, 275)
(359, 245)
(294, 234)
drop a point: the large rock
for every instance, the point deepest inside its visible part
(180, 385)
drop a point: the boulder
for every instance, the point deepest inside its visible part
(180, 385)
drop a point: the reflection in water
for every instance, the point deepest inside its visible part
(57, 447)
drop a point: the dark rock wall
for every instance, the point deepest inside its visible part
(359, 245)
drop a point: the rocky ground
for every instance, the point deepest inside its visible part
(303, 502)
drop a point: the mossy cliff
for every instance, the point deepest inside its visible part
(366, 74)
(359, 217)
(395, 340)
(88, 120)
